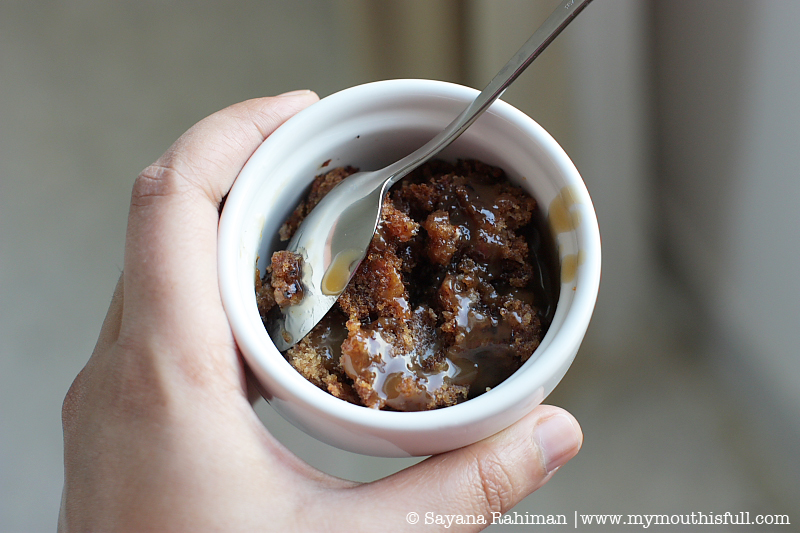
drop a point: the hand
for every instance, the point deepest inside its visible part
(159, 434)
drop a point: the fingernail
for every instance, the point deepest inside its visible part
(295, 93)
(559, 440)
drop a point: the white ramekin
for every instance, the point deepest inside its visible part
(369, 126)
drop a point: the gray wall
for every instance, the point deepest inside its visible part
(729, 187)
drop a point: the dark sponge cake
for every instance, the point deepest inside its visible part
(449, 301)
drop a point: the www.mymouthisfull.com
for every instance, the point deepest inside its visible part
(644, 521)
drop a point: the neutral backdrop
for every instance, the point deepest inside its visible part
(682, 117)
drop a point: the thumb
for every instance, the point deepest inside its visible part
(486, 478)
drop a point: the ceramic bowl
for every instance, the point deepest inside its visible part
(370, 126)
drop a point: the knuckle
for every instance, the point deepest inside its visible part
(158, 181)
(136, 387)
(494, 484)
(157, 366)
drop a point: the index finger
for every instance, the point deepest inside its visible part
(170, 279)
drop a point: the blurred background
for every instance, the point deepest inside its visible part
(682, 116)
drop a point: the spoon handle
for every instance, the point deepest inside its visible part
(541, 38)
(335, 236)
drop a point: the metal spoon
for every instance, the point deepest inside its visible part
(334, 237)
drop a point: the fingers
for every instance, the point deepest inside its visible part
(482, 479)
(170, 276)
